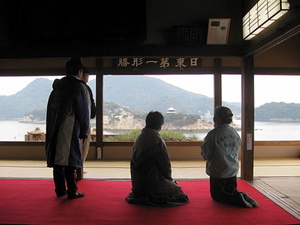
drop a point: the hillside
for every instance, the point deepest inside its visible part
(33, 97)
(278, 111)
(140, 94)
(143, 94)
(117, 117)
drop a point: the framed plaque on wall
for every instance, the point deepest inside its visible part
(218, 31)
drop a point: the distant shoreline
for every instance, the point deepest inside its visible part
(280, 120)
(285, 120)
(33, 122)
(12, 130)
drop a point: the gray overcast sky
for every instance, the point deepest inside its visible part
(267, 88)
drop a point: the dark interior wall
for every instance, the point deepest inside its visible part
(283, 55)
(36, 29)
(56, 28)
(163, 14)
(157, 17)
(75, 21)
(4, 29)
(247, 5)
(278, 45)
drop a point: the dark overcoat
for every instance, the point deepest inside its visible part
(152, 183)
(150, 163)
(67, 122)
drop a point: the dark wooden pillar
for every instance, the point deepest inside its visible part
(247, 146)
(99, 116)
(217, 82)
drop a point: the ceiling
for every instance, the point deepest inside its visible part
(46, 30)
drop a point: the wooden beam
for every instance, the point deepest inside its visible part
(276, 71)
(247, 146)
(118, 50)
(217, 82)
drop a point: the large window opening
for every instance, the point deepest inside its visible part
(186, 101)
(23, 103)
(231, 97)
(277, 108)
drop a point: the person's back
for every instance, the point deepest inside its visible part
(150, 164)
(220, 150)
(63, 108)
(67, 122)
(223, 160)
(152, 183)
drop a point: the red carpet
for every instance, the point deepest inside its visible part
(34, 202)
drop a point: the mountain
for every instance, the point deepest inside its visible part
(278, 111)
(33, 97)
(140, 94)
(143, 94)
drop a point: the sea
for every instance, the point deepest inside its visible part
(13, 130)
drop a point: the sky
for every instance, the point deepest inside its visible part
(11, 85)
(267, 88)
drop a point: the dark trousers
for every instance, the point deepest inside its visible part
(225, 190)
(63, 175)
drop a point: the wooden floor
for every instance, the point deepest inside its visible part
(278, 179)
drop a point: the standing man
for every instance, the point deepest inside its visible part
(67, 123)
(92, 107)
(152, 182)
